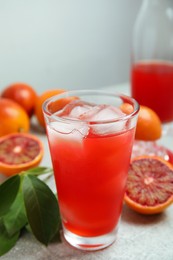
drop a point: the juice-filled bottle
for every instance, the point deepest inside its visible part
(152, 58)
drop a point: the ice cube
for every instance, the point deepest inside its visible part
(84, 111)
(108, 128)
(67, 134)
(106, 113)
(101, 113)
(75, 109)
(70, 127)
(66, 143)
(91, 113)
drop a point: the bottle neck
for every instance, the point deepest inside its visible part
(158, 3)
(158, 8)
(153, 31)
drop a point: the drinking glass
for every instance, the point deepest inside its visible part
(90, 142)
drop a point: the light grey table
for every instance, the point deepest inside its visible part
(139, 237)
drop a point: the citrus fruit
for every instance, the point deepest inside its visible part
(149, 188)
(13, 117)
(19, 152)
(148, 126)
(60, 103)
(40, 100)
(126, 108)
(23, 94)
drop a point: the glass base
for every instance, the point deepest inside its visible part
(90, 243)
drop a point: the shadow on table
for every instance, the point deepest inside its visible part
(132, 217)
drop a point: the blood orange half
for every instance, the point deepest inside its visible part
(149, 188)
(19, 152)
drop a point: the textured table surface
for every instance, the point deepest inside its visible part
(139, 237)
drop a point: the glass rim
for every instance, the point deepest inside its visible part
(68, 93)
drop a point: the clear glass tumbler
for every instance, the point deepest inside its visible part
(90, 141)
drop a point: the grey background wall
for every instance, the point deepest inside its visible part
(66, 43)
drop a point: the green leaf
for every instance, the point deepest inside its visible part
(41, 208)
(38, 171)
(16, 218)
(6, 241)
(8, 192)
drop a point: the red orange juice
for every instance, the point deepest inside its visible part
(152, 86)
(90, 177)
(90, 147)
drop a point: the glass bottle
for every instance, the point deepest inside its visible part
(152, 70)
(152, 58)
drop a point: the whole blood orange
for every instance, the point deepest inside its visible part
(19, 152)
(40, 100)
(13, 118)
(23, 94)
(60, 103)
(149, 127)
(149, 188)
